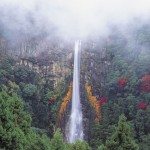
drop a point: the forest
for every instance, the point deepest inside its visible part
(37, 82)
(36, 89)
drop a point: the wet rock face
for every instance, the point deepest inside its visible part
(47, 67)
(94, 67)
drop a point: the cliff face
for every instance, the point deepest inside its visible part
(56, 71)
(94, 65)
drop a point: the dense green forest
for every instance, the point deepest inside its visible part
(36, 85)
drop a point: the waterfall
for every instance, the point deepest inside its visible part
(75, 121)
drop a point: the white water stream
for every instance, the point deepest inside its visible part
(75, 121)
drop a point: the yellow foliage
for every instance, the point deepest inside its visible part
(93, 101)
(65, 101)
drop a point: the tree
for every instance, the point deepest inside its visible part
(6, 71)
(14, 122)
(78, 145)
(102, 147)
(15, 126)
(145, 144)
(25, 74)
(57, 141)
(121, 139)
(29, 90)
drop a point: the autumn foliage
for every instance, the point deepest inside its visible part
(145, 84)
(142, 105)
(51, 101)
(103, 100)
(65, 101)
(122, 82)
(94, 102)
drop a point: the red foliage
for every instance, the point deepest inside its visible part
(145, 84)
(103, 100)
(51, 101)
(122, 82)
(142, 105)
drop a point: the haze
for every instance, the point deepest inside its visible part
(69, 18)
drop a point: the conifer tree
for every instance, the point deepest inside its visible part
(57, 141)
(15, 126)
(121, 139)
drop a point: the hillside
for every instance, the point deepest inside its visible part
(36, 77)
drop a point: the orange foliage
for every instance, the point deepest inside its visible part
(94, 102)
(65, 102)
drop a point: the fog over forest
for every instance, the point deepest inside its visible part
(70, 18)
(74, 74)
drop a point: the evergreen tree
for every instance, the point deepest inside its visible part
(145, 144)
(121, 139)
(79, 145)
(102, 147)
(57, 141)
(15, 126)
(14, 122)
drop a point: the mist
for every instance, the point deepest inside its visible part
(70, 19)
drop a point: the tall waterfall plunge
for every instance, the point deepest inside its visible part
(75, 121)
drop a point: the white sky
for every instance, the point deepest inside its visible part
(74, 17)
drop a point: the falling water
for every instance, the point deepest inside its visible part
(75, 123)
